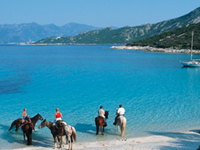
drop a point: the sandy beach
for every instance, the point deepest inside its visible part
(159, 141)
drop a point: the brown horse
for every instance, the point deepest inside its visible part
(69, 131)
(18, 122)
(99, 121)
(27, 127)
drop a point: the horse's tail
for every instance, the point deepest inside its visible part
(97, 125)
(13, 124)
(96, 121)
(29, 135)
(123, 127)
(74, 133)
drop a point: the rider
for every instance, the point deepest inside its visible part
(25, 116)
(58, 116)
(102, 114)
(120, 112)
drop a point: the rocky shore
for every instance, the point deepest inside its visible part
(153, 49)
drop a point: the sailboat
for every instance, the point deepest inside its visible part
(192, 62)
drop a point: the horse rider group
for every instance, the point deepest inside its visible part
(58, 116)
(120, 112)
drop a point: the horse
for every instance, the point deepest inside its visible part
(69, 131)
(18, 122)
(99, 121)
(121, 122)
(27, 127)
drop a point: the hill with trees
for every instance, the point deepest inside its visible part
(177, 39)
(126, 34)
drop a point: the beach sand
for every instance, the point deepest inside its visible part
(159, 141)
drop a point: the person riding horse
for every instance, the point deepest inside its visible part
(26, 118)
(120, 112)
(101, 113)
(58, 120)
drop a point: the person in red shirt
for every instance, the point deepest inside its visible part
(58, 116)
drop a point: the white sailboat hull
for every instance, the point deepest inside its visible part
(191, 64)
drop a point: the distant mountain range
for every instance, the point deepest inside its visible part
(28, 32)
(176, 39)
(126, 34)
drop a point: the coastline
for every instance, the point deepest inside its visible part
(166, 140)
(153, 49)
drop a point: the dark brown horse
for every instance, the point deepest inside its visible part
(69, 131)
(27, 127)
(18, 122)
(99, 121)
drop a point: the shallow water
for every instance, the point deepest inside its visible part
(157, 93)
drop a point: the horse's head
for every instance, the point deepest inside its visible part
(43, 124)
(39, 117)
(106, 114)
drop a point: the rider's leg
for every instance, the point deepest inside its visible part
(115, 120)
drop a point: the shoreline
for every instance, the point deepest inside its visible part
(166, 140)
(153, 49)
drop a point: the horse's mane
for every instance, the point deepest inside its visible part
(35, 116)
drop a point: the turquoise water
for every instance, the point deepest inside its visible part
(157, 93)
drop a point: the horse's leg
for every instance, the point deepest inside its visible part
(71, 139)
(97, 126)
(29, 136)
(54, 137)
(118, 128)
(101, 129)
(68, 138)
(71, 143)
(62, 140)
(24, 136)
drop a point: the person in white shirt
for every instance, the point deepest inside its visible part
(120, 112)
(101, 113)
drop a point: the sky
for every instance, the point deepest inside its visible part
(98, 13)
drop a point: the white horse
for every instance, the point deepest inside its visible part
(70, 134)
(121, 122)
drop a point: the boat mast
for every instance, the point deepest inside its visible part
(191, 44)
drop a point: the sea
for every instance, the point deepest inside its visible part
(158, 94)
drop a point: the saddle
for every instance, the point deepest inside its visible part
(60, 124)
(24, 121)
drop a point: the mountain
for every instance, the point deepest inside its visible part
(179, 38)
(126, 34)
(16, 33)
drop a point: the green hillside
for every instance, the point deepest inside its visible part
(126, 34)
(179, 38)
